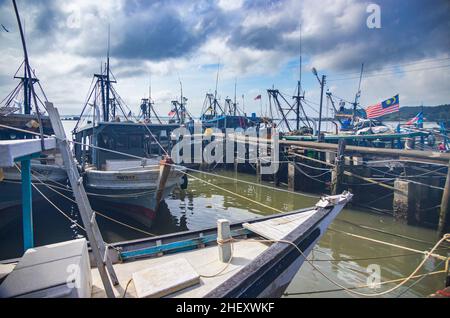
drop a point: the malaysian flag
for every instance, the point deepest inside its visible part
(416, 120)
(392, 105)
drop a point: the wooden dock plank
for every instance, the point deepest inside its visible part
(277, 229)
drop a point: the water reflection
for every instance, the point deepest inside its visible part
(202, 204)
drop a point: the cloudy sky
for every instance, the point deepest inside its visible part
(256, 42)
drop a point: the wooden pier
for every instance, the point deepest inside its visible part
(414, 182)
(414, 201)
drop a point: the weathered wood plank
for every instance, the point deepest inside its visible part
(277, 229)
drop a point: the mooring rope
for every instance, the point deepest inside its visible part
(362, 286)
(233, 193)
(63, 187)
(142, 158)
(389, 244)
(446, 237)
(385, 232)
(243, 181)
(74, 201)
(53, 204)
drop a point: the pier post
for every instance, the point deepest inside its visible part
(291, 176)
(276, 176)
(338, 171)
(224, 240)
(445, 205)
(165, 167)
(27, 207)
(405, 204)
(258, 171)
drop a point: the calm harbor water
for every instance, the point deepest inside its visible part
(339, 256)
(343, 258)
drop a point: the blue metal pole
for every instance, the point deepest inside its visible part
(27, 207)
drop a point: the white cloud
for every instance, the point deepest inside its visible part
(230, 5)
(66, 58)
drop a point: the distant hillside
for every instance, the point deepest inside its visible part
(431, 113)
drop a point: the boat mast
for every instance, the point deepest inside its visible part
(358, 93)
(215, 92)
(182, 109)
(299, 97)
(108, 85)
(235, 103)
(150, 102)
(28, 78)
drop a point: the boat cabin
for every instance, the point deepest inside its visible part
(127, 137)
(24, 122)
(228, 121)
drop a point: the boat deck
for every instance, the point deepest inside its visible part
(257, 267)
(204, 261)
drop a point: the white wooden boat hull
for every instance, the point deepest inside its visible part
(130, 192)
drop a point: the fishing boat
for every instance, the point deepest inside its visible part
(43, 175)
(214, 116)
(109, 146)
(22, 116)
(257, 258)
(115, 182)
(47, 169)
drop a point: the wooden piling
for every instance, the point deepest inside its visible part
(291, 176)
(258, 170)
(224, 240)
(406, 198)
(276, 176)
(164, 171)
(445, 205)
(338, 171)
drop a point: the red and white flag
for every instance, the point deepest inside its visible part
(391, 105)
